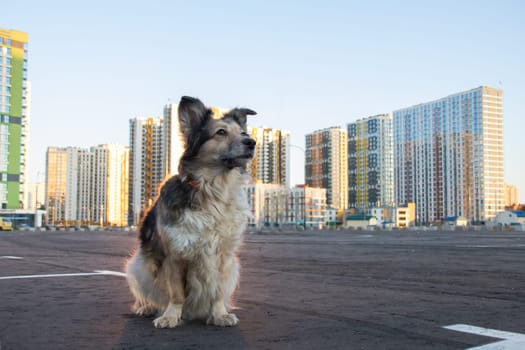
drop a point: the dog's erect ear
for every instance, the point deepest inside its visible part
(239, 115)
(192, 112)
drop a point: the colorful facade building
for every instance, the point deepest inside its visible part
(14, 119)
(370, 162)
(326, 164)
(271, 164)
(147, 165)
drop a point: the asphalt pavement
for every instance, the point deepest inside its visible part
(301, 290)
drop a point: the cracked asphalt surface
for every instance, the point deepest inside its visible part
(301, 290)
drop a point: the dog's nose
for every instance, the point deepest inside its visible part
(249, 142)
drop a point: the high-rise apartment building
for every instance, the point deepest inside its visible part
(56, 184)
(173, 144)
(111, 185)
(326, 164)
(370, 162)
(270, 164)
(147, 166)
(87, 186)
(448, 156)
(511, 195)
(14, 119)
(36, 195)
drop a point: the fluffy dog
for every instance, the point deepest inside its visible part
(186, 266)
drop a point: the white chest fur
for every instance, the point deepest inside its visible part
(218, 220)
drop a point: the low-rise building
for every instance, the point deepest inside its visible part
(309, 205)
(384, 216)
(514, 218)
(455, 221)
(274, 205)
(331, 217)
(22, 218)
(406, 215)
(357, 221)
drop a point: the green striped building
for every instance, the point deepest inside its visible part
(13, 118)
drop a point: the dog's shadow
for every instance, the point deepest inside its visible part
(139, 333)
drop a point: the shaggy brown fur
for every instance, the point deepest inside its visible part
(186, 266)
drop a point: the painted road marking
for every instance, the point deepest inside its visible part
(94, 273)
(11, 257)
(114, 273)
(512, 341)
(496, 246)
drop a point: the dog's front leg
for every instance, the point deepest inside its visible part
(221, 317)
(206, 291)
(174, 278)
(227, 279)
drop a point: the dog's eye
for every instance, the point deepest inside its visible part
(221, 132)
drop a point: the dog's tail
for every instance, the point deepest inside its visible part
(150, 244)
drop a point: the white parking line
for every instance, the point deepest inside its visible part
(512, 341)
(94, 273)
(11, 257)
(114, 273)
(495, 246)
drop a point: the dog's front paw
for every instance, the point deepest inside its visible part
(226, 320)
(167, 322)
(145, 311)
(170, 318)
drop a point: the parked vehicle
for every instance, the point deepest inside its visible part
(5, 225)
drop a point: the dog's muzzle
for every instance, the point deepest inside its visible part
(249, 143)
(240, 159)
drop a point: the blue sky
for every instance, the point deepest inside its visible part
(302, 65)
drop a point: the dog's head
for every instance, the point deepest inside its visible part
(214, 142)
